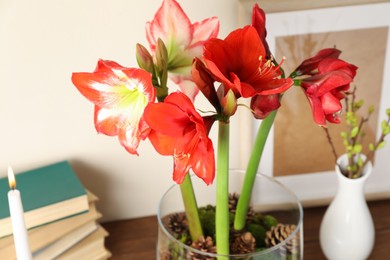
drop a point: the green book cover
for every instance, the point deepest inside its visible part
(42, 187)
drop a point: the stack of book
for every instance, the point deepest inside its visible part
(60, 216)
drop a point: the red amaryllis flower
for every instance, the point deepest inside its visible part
(120, 95)
(325, 89)
(258, 21)
(178, 130)
(239, 63)
(309, 66)
(183, 40)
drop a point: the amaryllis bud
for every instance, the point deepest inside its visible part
(161, 56)
(144, 59)
(228, 101)
(262, 106)
(205, 82)
(162, 68)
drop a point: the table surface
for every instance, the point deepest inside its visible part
(136, 238)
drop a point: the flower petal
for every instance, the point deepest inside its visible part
(163, 144)
(309, 66)
(258, 22)
(170, 23)
(316, 108)
(167, 118)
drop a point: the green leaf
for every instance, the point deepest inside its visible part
(357, 148)
(383, 125)
(344, 134)
(371, 109)
(386, 131)
(381, 145)
(360, 161)
(358, 104)
(371, 147)
(388, 111)
(354, 132)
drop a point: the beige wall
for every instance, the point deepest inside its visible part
(43, 117)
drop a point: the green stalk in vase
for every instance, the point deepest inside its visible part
(191, 208)
(258, 147)
(222, 179)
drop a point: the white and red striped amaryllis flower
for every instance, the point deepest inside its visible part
(120, 96)
(183, 40)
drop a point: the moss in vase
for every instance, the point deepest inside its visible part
(258, 231)
(269, 221)
(207, 218)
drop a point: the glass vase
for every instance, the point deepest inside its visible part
(269, 198)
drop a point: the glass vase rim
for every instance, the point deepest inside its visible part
(253, 254)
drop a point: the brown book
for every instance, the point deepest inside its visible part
(91, 247)
(44, 235)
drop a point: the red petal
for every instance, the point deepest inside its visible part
(247, 45)
(316, 108)
(163, 144)
(181, 101)
(330, 104)
(205, 82)
(258, 22)
(276, 86)
(203, 162)
(166, 118)
(309, 66)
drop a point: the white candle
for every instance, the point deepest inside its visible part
(22, 246)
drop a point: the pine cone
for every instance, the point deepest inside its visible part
(243, 244)
(233, 200)
(178, 224)
(251, 215)
(279, 233)
(204, 245)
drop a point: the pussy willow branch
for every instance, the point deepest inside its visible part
(370, 155)
(330, 141)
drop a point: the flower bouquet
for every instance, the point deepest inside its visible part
(136, 104)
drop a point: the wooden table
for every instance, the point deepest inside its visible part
(136, 238)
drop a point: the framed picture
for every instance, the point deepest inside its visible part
(298, 152)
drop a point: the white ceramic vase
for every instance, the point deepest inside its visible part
(347, 229)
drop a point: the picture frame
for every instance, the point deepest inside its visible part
(289, 18)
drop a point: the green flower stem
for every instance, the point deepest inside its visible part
(254, 160)
(222, 210)
(191, 208)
